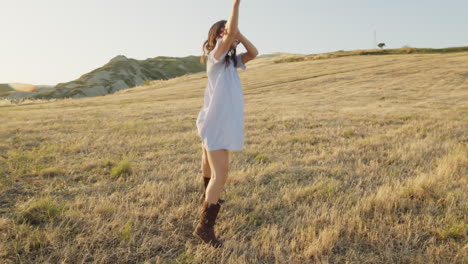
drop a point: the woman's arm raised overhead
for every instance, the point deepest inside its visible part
(230, 33)
(252, 51)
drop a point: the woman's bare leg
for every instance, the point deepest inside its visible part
(205, 166)
(219, 162)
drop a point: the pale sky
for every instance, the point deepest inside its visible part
(52, 41)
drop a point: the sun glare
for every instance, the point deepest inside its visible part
(23, 87)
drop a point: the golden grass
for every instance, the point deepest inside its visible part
(350, 160)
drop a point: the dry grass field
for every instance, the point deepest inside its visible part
(359, 159)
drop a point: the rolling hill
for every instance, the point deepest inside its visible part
(353, 159)
(118, 74)
(123, 73)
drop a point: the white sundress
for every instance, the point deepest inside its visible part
(220, 122)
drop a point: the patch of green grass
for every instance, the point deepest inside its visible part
(291, 124)
(30, 162)
(304, 140)
(349, 133)
(24, 239)
(36, 239)
(21, 163)
(291, 59)
(50, 172)
(40, 211)
(255, 220)
(125, 232)
(124, 168)
(454, 231)
(310, 230)
(323, 188)
(5, 176)
(147, 82)
(253, 157)
(261, 158)
(97, 168)
(107, 163)
(185, 258)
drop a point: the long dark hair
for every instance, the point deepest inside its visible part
(210, 44)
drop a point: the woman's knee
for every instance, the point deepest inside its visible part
(220, 173)
(220, 170)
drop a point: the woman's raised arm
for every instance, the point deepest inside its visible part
(230, 33)
(252, 51)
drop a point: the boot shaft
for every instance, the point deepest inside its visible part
(209, 214)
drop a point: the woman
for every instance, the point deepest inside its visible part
(220, 122)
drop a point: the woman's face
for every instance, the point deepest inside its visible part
(223, 28)
(234, 44)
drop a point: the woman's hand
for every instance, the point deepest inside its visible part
(252, 51)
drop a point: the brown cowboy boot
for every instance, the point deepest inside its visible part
(205, 228)
(206, 181)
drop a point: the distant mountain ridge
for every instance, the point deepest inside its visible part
(118, 74)
(123, 73)
(16, 91)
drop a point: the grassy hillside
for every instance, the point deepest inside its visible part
(5, 89)
(123, 73)
(359, 159)
(342, 53)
